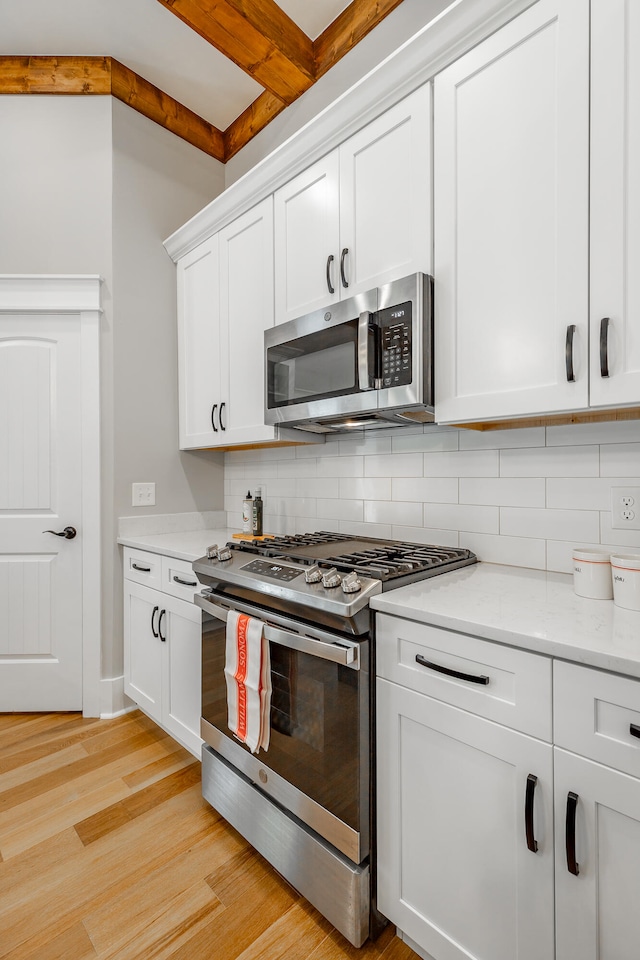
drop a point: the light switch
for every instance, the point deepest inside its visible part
(143, 494)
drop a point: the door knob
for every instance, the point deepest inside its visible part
(68, 533)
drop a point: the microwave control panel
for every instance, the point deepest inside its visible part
(395, 335)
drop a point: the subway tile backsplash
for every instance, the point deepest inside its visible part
(519, 497)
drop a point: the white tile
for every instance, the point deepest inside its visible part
(455, 516)
(630, 539)
(620, 460)
(441, 538)
(233, 504)
(513, 551)
(550, 524)
(365, 488)
(462, 463)
(365, 529)
(550, 462)
(503, 491)
(340, 509)
(406, 514)
(233, 470)
(308, 525)
(425, 490)
(433, 439)
(619, 431)
(264, 471)
(298, 468)
(279, 525)
(394, 465)
(364, 445)
(499, 439)
(306, 450)
(291, 507)
(279, 488)
(234, 521)
(317, 487)
(581, 493)
(341, 466)
(560, 554)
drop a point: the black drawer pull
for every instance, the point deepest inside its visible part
(634, 730)
(185, 583)
(162, 613)
(141, 569)
(345, 282)
(329, 284)
(604, 347)
(471, 678)
(568, 353)
(532, 843)
(213, 417)
(153, 629)
(570, 834)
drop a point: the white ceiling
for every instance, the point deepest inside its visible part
(151, 41)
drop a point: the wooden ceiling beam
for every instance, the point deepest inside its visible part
(251, 121)
(347, 30)
(103, 76)
(258, 36)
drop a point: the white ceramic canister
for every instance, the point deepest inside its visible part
(592, 574)
(626, 580)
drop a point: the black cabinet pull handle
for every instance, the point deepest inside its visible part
(532, 843)
(604, 347)
(185, 583)
(329, 284)
(449, 672)
(162, 613)
(223, 426)
(634, 730)
(568, 353)
(570, 834)
(153, 629)
(141, 569)
(213, 417)
(345, 282)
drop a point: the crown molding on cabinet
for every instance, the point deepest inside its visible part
(438, 44)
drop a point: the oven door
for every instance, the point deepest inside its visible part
(317, 763)
(323, 364)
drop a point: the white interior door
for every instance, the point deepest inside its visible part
(40, 489)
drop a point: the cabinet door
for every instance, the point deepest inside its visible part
(597, 910)
(143, 652)
(511, 154)
(182, 627)
(246, 311)
(199, 359)
(615, 201)
(385, 196)
(306, 237)
(454, 869)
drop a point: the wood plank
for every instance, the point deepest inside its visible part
(259, 37)
(72, 944)
(349, 27)
(158, 106)
(66, 75)
(556, 419)
(251, 121)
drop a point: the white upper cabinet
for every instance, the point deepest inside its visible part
(359, 217)
(225, 302)
(511, 187)
(615, 202)
(199, 368)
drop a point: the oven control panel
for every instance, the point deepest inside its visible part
(274, 571)
(395, 333)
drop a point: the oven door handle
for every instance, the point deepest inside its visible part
(334, 651)
(364, 380)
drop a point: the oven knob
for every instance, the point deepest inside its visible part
(331, 578)
(313, 574)
(350, 583)
(212, 551)
(224, 554)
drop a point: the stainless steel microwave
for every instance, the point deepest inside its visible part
(365, 362)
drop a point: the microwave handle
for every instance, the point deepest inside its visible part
(364, 381)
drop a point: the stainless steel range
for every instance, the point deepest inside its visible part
(306, 804)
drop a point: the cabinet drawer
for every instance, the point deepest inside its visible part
(595, 713)
(509, 686)
(178, 578)
(143, 567)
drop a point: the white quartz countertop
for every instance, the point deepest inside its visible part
(186, 545)
(525, 608)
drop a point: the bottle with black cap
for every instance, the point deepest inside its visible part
(256, 527)
(247, 513)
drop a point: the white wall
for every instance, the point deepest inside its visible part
(89, 186)
(406, 20)
(523, 497)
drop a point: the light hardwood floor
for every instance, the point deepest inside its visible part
(107, 850)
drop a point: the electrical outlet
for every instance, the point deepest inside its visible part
(143, 494)
(625, 508)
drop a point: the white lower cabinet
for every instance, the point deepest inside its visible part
(162, 652)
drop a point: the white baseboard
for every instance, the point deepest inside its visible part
(113, 700)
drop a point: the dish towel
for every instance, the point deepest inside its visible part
(248, 674)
